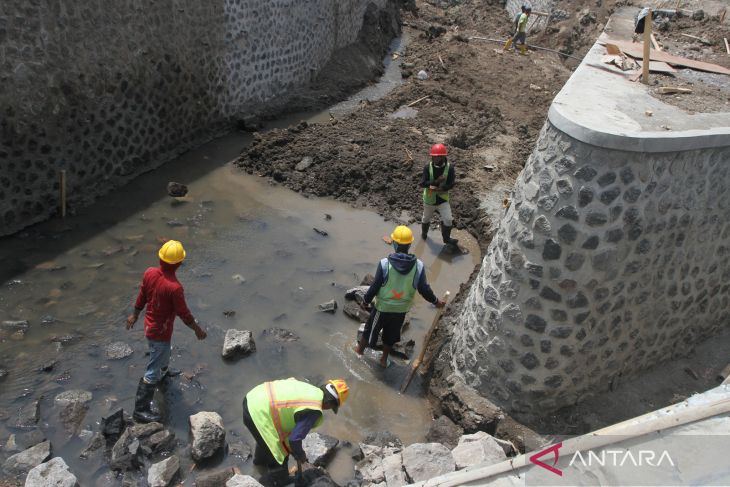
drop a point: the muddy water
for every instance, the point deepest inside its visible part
(251, 250)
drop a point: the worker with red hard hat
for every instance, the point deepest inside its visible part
(437, 179)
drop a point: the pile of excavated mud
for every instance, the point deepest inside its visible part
(486, 105)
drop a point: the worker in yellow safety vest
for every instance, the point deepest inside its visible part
(521, 33)
(279, 414)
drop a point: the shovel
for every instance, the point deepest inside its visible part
(417, 362)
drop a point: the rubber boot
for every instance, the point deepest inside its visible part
(424, 230)
(523, 49)
(446, 234)
(142, 403)
(507, 44)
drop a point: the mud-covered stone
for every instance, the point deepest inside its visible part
(208, 435)
(444, 431)
(238, 343)
(53, 473)
(423, 461)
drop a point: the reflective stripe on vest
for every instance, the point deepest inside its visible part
(429, 195)
(272, 406)
(398, 290)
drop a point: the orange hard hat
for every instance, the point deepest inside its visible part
(438, 150)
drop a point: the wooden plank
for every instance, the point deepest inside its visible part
(646, 56)
(727, 47)
(635, 51)
(655, 43)
(658, 67)
(668, 90)
(703, 41)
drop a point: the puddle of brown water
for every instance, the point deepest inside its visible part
(230, 224)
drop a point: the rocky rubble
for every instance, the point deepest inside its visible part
(54, 473)
(208, 434)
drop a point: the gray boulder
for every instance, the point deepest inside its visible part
(15, 325)
(127, 451)
(357, 294)
(328, 307)
(319, 448)
(22, 441)
(95, 443)
(304, 164)
(161, 474)
(74, 405)
(354, 311)
(423, 461)
(118, 350)
(395, 475)
(214, 479)
(21, 463)
(239, 480)
(54, 473)
(208, 434)
(238, 343)
(444, 431)
(477, 449)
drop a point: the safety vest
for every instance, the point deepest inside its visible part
(398, 290)
(522, 23)
(429, 195)
(272, 406)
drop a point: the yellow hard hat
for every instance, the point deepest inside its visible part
(338, 388)
(172, 252)
(402, 235)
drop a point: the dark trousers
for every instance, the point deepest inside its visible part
(262, 455)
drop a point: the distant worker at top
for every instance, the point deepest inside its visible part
(437, 179)
(520, 36)
(164, 298)
(397, 279)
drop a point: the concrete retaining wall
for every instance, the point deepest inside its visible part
(108, 90)
(613, 254)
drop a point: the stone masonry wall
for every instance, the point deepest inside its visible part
(107, 90)
(604, 264)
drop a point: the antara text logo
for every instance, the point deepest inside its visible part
(603, 458)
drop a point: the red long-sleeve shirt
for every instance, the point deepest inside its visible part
(164, 297)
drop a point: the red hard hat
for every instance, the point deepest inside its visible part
(438, 150)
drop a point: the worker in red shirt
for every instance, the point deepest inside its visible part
(163, 295)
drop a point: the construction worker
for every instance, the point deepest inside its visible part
(521, 33)
(437, 179)
(280, 414)
(164, 298)
(397, 279)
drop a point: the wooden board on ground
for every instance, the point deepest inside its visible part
(668, 90)
(635, 50)
(658, 67)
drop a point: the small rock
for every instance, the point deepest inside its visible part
(367, 280)
(383, 439)
(329, 306)
(94, 444)
(404, 350)
(161, 474)
(126, 452)
(176, 190)
(15, 325)
(3, 374)
(304, 164)
(321, 232)
(354, 311)
(162, 441)
(239, 480)
(393, 470)
(648, 113)
(535, 87)
(327, 216)
(238, 278)
(21, 463)
(28, 415)
(422, 75)
(698, 14)
(229, 313)
(114, 425)
(240, 450)
(68, 398)
(357, 294)
(22, 441)
(54, 473)
(208, 435)
(48, 366)
(444, 431)
(118, 350)
(280, 335)
(238, 343)
(423, 461)
(214, 479)
(319, 448)
(478, 448)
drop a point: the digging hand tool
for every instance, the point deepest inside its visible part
(417, 362)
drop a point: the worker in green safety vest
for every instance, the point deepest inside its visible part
(437, 179)
(397, 279)
(279, 414)
(520, 36)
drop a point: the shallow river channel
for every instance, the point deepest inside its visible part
(252, 250)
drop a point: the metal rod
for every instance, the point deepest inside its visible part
(63, 193)
(501, 41)
(647, 49)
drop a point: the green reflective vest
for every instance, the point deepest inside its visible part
(429, 195)
(398, 290)
(522, 23)
(272, 406)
